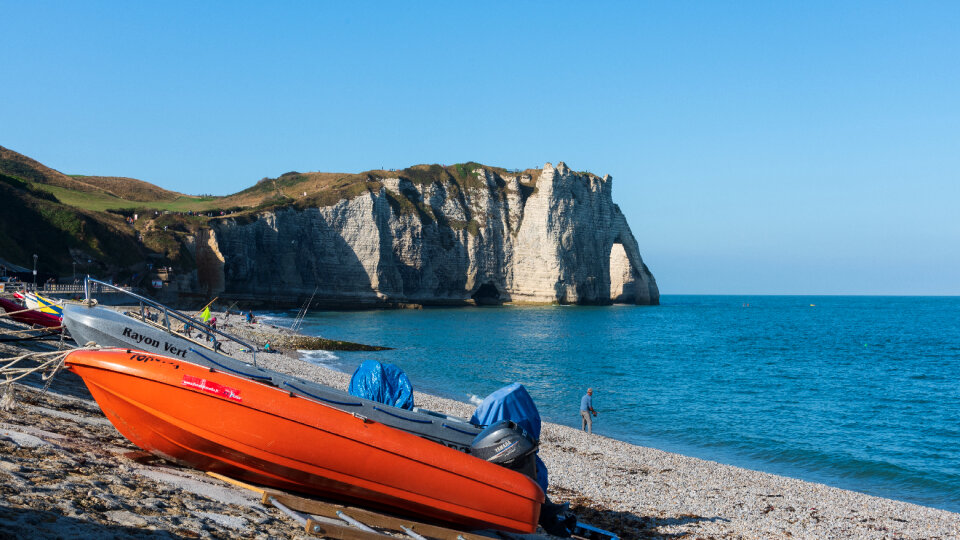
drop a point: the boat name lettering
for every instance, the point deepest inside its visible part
(140, 339)
(175, 351)
(146, 358)
(211, 387)
(168, 347)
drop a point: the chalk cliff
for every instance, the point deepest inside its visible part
(554, 236)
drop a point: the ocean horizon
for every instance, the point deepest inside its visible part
(856, 392)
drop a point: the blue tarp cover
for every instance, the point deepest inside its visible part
(513, 403)
(383, 383)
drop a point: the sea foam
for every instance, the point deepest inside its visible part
(321, 358)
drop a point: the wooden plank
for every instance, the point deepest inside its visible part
(341, 532)
(373, 519)
(236, 482)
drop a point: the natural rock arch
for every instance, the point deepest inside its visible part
(630, 280)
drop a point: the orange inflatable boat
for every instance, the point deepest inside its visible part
(218, 422)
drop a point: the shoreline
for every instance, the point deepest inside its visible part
(829, 474)
(634, 491)
(644, 488)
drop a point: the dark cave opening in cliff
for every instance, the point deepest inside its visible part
(488, 294)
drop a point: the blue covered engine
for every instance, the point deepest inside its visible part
(513, 403)
(383, 383)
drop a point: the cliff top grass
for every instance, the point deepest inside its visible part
(102, 193)
(312, 189)
(101, 201)
(81, 211)
(35, 222)
(71, 218)
(130, 188)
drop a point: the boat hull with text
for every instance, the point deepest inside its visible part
(109, 328)
(242, 428)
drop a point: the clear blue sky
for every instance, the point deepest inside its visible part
(768, 147)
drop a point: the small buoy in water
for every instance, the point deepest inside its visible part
(813, 305)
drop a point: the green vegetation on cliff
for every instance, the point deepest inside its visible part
(67, 218)
(34, 222)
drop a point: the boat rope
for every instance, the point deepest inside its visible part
(50, 363)
(37, 337)
(47, 360)
(29, 330)
(9, 313)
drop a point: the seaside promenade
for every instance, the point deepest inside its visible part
(67, 472)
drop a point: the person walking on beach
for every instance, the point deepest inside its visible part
(586, 409)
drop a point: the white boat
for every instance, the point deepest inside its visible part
(135, 330)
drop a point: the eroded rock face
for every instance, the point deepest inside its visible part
(495, 239)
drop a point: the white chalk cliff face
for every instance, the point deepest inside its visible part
(496, 239)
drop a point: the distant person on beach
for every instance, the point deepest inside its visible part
(586, 409)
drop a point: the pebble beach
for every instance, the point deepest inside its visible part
(66, 472)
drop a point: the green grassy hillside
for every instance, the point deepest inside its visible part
(102, 201)
(33, 221)
(66, 219)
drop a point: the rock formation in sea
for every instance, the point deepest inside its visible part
(551, 236)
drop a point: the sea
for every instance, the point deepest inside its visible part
(860, 393)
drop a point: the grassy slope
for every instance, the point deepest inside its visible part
(101, 201)
(50, 212)
(129, 188)
(99, 193)
(20, 166)
(34, 222)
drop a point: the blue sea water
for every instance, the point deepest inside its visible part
(861, 393)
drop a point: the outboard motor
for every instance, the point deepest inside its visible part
(507, 444)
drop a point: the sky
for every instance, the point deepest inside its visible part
(756, 147)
